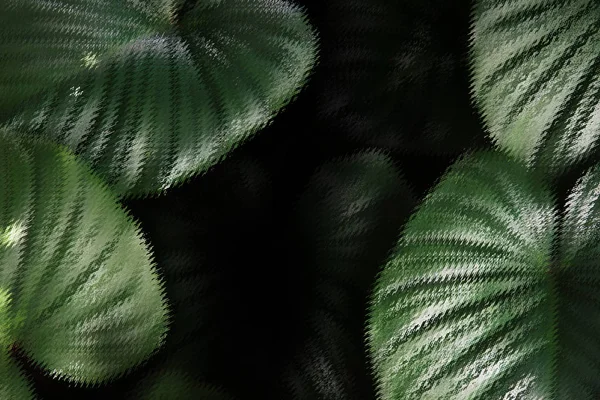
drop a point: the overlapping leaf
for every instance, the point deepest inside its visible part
(12, 382)
(535, 78)
(162, 94)
(476, 303)
(85, 301)
(349, 217)
(577, 283)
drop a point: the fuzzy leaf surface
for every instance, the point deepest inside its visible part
(86, 301)
(157, 99)
(535, 78)
(485, 297)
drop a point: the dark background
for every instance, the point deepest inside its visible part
(254, 313)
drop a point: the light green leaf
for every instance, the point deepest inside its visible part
(86, 301)
(535, 78)
(478, 303)
(167, 104)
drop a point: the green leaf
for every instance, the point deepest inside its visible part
(578, 281)
(484, 299)
(86, 301)
(168, 104)
(535, 78)
(45, 43)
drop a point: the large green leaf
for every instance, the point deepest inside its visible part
(167, 100)
(577, 284)
(86, 301)
(535, 77)
(478, 303)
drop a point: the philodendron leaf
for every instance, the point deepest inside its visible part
(86, 301)
(171, 97)
(477, 303)
(535, 78)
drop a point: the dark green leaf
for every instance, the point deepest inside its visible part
(159, 102)
(349, 217)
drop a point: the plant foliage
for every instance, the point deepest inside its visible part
(535, 78)
(147, 95)
(80, 294)
(492, 291)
